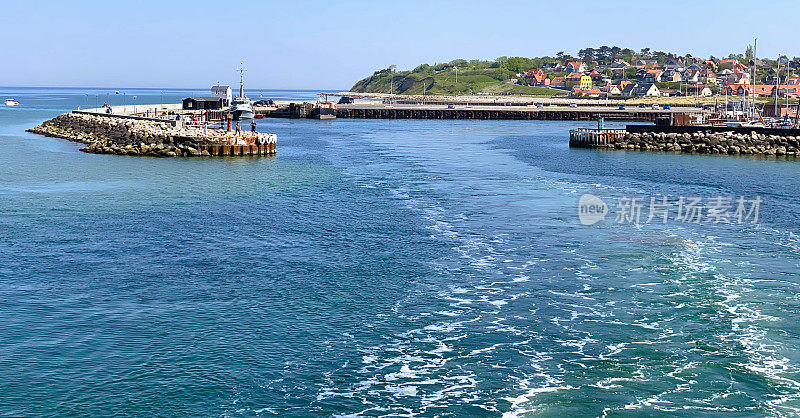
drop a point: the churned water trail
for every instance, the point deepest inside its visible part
(388, 267)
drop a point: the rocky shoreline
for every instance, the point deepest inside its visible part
(142, 137)
(704, 142)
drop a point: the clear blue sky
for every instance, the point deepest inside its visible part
(331, 44)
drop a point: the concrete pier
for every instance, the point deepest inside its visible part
(553, 112)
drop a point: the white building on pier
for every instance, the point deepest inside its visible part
(224, 93)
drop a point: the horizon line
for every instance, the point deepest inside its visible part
(162, 88)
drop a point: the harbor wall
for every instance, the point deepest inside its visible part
(690, 129)
(692, 140)
(104, 134)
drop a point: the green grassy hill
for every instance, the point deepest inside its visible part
(473, 77)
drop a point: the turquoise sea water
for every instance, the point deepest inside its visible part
(387, 267)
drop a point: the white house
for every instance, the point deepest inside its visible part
(691, 75)
(223, 92)
(642, 89)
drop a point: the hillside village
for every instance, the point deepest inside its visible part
(605, 72)
(674, 77)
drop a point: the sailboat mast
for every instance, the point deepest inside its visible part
(755, 70)
(777, 82)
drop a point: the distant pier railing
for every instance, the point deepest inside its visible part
(588, 138)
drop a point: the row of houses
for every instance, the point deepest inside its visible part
(698, 74)
(637, 89)
(765, 90)
(677, 69)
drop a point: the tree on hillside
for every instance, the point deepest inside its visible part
(660, 56)
(586, 55)
(498, 63)
(479, 64)
(518, 64)
(748, 53)
(603, 54)
(422, 68)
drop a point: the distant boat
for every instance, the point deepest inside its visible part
(11, 102)
(744, 124)
(242, 107)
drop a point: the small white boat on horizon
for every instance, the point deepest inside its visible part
(11, 102)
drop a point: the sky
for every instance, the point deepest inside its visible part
(332, 44)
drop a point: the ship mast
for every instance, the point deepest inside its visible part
(241, 79)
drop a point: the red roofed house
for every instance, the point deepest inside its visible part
(788, 90)
(611, 89)
(595, 92)
(670, 92)
(793, 81)
(538, 77)
(622, 85)
(707, 77)
(578, 91)
(691, 76)
(747, 89)
(576, 67)
(652, 76)
(573, 79)
(597, 76)
(738, 77)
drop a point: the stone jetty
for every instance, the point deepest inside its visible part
(112, 134)
(731, 142)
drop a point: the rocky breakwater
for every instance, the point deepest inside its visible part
(707, 142)
(146, 137)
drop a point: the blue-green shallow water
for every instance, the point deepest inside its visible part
(386, 268)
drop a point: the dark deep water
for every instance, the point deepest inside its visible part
(387, 267)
